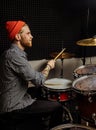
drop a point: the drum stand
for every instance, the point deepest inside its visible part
(68, 115)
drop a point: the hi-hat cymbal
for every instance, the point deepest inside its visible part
(64, 55)
(87, 42)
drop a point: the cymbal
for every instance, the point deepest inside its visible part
(87, 42)
(64, 55)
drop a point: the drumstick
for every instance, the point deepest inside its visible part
(59, 54)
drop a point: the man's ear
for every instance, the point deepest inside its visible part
(17, 37)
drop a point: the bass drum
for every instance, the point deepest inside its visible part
(85, 88)
(72, 127)
(88, 69)
(57, 89)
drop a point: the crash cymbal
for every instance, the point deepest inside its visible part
(64, 55)
(87, 42)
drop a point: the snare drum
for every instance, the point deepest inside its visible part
(72, 127)
(88, 69)
(57, 89)
(85, 87)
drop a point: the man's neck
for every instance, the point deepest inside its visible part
(19, 45)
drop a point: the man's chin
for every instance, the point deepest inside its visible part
(30, 44)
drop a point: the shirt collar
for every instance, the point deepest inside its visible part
(21, 52)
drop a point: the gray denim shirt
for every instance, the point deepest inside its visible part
(15, 72)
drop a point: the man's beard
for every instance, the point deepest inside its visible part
(28, 44)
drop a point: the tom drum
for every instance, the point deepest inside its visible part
(85, 87)
(88, 69)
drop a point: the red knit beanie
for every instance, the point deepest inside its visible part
(13, 27)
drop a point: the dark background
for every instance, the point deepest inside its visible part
(55, 24)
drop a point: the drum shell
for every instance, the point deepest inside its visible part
(86, 106)
(56, 95)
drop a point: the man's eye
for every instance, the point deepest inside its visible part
(28, 33)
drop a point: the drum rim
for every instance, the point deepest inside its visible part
(59, 79)
(82, 91)
(83, 66)
(70, 125)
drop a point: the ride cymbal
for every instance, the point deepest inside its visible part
(64, 55)
(87, 42)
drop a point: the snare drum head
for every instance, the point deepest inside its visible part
(85, 83)
(58, 83)
(86, 69)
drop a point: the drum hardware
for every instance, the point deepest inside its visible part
(94, 117)
(87, 123)
(58, 55)
(89, 41)
(68, 116)
(90, 99)
(61, 56)
(61, 75)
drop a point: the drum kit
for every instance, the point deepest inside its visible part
(84, 86)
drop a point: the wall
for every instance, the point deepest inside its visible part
(54, 24)
(69, 66)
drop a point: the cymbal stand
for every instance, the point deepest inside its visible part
(87, 24)
(84, 56)
(61, 63)
(61, 75)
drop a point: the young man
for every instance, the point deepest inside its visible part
(15, 72)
